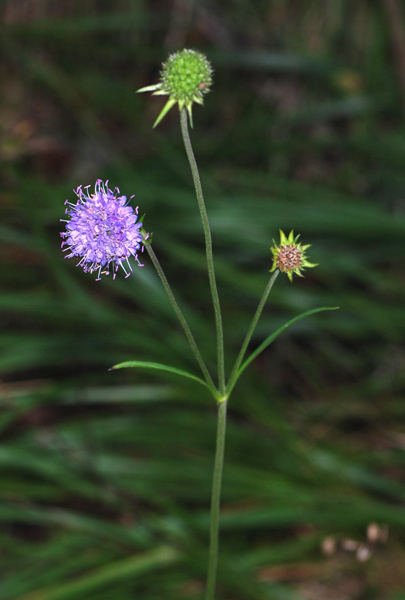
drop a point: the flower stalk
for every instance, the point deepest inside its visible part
(208, 249)
(182, 319)
(234, 374)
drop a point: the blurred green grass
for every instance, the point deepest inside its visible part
(105, 477)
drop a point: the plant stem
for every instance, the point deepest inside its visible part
(238, 362)
(215, 501)
(208, 247)
(182, 319)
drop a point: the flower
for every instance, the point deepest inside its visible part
(290, 257)
(102, 230)
(186, 77)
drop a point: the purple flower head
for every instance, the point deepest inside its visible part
(102, 230)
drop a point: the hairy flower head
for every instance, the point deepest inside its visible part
(290, 256)
(102, 230)
(186, 77)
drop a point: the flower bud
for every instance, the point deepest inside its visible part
(290, 256)
(186, 77)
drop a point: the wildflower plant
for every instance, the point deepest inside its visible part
(104, 232)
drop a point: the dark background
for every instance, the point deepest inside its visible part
(105, 477)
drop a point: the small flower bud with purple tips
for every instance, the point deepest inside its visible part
(102, 230)
(290, 256)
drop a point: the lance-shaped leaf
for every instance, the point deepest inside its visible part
(271, 339)
(159, 366)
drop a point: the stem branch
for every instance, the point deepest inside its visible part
(208, 246)
(238, 362)
(182, 319)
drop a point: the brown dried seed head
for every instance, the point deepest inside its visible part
(289, 258)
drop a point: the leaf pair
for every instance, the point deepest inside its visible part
(231, 384)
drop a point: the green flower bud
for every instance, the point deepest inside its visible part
(186, 77)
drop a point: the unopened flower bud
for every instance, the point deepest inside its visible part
(186, 77)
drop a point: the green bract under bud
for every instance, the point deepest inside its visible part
(186, 77)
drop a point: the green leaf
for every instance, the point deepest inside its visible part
(152, 365)
(273, 336)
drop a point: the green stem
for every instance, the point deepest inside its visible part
(208, 246)
(182, 319)
(215, 501)
(234, 375)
